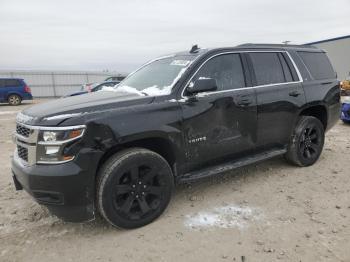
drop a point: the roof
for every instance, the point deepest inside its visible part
(250, 46)
(275, 46)
(329, 40)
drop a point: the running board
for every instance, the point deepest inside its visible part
(210, 171)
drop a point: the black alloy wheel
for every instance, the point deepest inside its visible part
(306, 143)
(310, 142)
(134, 188)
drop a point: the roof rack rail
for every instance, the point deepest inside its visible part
(275, 45)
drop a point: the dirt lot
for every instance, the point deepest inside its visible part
(266, 212)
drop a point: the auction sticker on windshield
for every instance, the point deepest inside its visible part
(180, 62)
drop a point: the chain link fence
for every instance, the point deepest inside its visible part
(57, 83)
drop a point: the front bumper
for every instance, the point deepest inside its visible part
(66, 189)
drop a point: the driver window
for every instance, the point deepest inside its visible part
(225, 69)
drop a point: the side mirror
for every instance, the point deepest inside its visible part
(203, 84)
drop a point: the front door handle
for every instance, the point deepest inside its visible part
(295, 93)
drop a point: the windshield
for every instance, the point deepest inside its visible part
(157, 77)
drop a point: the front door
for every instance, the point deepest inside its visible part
(220, 125)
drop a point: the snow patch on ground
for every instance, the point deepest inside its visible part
(223, 217)
(8, 112)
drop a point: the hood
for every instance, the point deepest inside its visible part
(54, 112)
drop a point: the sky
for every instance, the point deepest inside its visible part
(119, 35)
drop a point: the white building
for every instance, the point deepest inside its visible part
(338, 50)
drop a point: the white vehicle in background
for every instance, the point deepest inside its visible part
(94, 87)
(114, 78)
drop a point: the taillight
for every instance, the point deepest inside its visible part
(27, 89)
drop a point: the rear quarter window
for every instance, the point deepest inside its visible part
(318, 65)
(12, 83)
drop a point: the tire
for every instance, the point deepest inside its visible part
(14, 100)
(307, 142)
(134, 187)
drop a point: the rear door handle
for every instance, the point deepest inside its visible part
(244, 102)
(295, 93)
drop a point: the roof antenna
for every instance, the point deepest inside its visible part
(194, 49)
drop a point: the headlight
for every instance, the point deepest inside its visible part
(49, 136)
(59, 136)
(52, 144)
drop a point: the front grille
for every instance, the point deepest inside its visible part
(26, 138)
(22, 130)
(22, 152)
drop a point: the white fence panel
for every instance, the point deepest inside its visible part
(57, 83)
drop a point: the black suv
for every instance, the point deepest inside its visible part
(178, 118)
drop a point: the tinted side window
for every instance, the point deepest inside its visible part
(12, 83)
(225, 69)
(2, 83)
(318, 64)
(267, 68)
(286, 69)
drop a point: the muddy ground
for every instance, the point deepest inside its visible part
(266, 212)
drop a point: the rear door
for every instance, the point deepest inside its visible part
(12, 86)
(220, 125)
(280, 95)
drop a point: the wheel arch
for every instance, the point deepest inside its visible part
(13, 93)
(160, 145)
(318, 111)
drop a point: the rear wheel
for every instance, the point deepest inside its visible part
(134, 188)
(14, 100)
(307, 142)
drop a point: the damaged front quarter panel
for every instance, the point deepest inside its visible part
(108, 131)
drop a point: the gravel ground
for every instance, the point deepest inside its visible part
(266, 212)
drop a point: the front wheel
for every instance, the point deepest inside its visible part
(134, 188)
(14, 100)
(307, 142)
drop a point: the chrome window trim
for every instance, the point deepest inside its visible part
(202, 94)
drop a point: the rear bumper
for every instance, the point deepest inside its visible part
(333, 115)
(66, 189)
(27, 96)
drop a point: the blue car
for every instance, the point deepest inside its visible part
(345, 110)
(13, 91)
